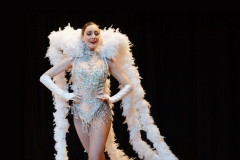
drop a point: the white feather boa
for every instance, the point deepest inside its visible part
(113, 45)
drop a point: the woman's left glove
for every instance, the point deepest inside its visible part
(122, 93)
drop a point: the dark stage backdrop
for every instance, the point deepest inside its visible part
(190, 67)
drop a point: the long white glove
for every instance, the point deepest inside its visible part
(122, 93)
(47, 81)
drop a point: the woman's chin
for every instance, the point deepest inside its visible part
(92, 48)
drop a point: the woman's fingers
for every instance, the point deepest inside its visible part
(77, 98)
(103, 96)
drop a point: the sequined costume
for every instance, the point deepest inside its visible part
(89, 76)
(136, 110)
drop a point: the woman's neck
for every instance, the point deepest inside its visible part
(90, 52)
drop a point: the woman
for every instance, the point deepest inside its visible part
(91, 109)
(91, 58)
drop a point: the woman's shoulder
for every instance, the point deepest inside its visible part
(66, 61)
(110, 61)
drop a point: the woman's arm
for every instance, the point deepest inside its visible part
(117, 73)
(46, 79)
(63, 65)
(122, 79)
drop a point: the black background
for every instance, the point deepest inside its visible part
(190, 65)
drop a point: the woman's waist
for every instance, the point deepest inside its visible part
(88, 89)
(89, 103)
(85, 94)
(89, 97)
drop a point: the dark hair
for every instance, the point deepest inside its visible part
(86, 25)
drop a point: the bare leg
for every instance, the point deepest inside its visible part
(97, 142)
(84, 138)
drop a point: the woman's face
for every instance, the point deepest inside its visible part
(91, 36)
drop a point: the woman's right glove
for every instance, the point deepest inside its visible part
(47, 81)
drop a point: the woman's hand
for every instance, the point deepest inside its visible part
(103, 96)
(77, 98)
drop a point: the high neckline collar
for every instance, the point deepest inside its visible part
(90, 52)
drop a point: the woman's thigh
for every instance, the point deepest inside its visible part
(84, 138)
(98, 139)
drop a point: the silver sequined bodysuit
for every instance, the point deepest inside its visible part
(89, 76)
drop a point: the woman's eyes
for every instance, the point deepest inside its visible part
(90, 33)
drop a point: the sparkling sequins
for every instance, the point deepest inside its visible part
(89, 76)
